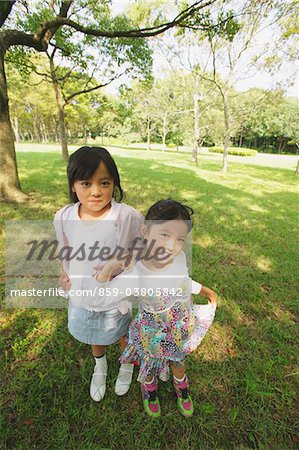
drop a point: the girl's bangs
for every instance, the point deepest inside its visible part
(86, 167)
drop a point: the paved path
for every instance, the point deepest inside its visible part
(261, 159)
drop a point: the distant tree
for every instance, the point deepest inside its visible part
(267, 120)
(50, 20)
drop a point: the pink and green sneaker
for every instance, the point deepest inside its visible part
(184, 399)
(150, 400)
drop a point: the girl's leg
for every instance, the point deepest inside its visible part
(149, 395)
(98, 350)
(98, 380)
(123, 342)
(181, 387)
(125, 373)
(178, 370)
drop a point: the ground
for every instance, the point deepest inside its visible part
(244, 376)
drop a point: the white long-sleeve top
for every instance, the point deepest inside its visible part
(119, 227)
(153, 290)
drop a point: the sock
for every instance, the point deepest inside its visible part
(97, 357)
(179, 380)
(150, 382)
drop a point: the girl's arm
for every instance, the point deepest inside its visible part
(64, 280)
(115, 292)
(110, 268)
(60, 234)
(209, 294)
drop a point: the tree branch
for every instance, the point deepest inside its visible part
(85, 91)
(15, 37)
(63, 50)
(41, 38)
(5, 9)
(50, 31)
(29, 66)
(136, 33)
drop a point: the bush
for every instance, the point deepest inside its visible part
(171, 145)
(235, 151)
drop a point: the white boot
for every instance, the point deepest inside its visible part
(124, 379)
(98, 380)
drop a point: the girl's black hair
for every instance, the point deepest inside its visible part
(169, 209)
(84, 162)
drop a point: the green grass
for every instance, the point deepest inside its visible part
(245, 374)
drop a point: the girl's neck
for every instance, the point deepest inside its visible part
(86, 214)
(155, 265)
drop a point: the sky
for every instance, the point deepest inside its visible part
(286, 74)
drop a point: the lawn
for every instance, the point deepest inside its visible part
(244, 376)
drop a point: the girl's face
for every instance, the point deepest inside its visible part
(95, 194)
(169, 236)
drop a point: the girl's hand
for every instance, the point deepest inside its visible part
(210, 295)
(212, 299)
(129, 262)
(64, 282)
(113, 267)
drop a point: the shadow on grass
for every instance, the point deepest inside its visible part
(242, 376)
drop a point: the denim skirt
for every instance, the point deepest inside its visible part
(98, 328)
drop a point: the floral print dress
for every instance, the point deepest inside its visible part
(162, 336)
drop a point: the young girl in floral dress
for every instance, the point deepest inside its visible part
(168, 326)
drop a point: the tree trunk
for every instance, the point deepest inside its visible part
(61, 115)
(55, 131)
(15, 126)
(45, 132)
(42, 132)
(165, 131)
(227, 133)
(241, 138)
(196, 144)
(84, 134)
(9, 181)
(148, 134)
(36, 130)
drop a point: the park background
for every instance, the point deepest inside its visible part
(205, 113)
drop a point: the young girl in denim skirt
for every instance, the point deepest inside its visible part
(94, 219)
(168, 326)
